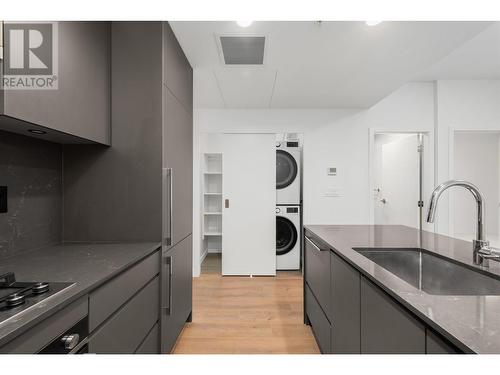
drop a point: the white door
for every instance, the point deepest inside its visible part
(398, 180)
(249, 204)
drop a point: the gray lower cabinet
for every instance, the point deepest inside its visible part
(80, 106)
(108, 298)
(37, 337)
(349, 314)
(319, 323)
(317, 271)
(177, 292)
(151, 343)
(386, 327)
(437, 345)
(345, 307)
(125, 330)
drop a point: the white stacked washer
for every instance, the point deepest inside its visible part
(288, 237)
(288, 172)
(288, 201)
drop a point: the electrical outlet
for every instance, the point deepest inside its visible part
(3, 199)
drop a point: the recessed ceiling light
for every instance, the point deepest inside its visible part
(37, 131)
(244, 23)
(373, 23)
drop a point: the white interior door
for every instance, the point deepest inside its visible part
(398, 181)
(249, 203)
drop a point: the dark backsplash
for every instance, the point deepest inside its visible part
(32, 170)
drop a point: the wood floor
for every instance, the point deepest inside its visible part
(244, 315)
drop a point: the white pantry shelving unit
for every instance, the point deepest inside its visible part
(212, 203)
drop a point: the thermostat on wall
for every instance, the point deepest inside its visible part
(332, 171)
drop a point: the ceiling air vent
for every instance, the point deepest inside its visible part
(243, 50)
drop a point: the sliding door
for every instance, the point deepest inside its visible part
(249, 203)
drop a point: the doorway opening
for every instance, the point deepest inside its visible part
(402, 175)
(475, 158)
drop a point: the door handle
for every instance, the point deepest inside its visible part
(226, 203)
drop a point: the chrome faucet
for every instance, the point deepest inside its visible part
(482, 251)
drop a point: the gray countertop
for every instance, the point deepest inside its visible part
(85, 265)
(470, 322)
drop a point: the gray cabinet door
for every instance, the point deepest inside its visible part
(177, 286)
(128, 327)
(81, 104)
(317, 271)
(319, 323)
(386, 327)
(438, 345)
(345, 307)
(178, 155)
(177, 73)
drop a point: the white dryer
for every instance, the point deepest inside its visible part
(288, 237)
(288, 172)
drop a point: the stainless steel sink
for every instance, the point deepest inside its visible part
(433, 274)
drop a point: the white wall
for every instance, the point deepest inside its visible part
(461, 105)
(336, 137)
(340, 138)
(470, 151)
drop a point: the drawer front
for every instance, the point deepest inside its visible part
(319, 323)
(434, 344)
(317, 272)
(108, 298)
(125, 331)
(46, 331)
(386, 327)
(345, 307)
(151, 344)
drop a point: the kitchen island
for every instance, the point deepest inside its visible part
(354, 305)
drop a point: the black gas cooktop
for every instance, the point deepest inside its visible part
(18, 296)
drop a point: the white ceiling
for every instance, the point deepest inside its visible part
(317, 65)
(478, 58)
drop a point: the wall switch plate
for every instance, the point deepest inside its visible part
(3, 199)
(334, 192)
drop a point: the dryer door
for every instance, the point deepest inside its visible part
(286, 235)
(286, 169)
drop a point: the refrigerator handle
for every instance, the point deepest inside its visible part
(167, 290)
(168, 206)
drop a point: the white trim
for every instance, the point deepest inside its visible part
(371, 149)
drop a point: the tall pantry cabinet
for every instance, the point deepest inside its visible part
(140, 188)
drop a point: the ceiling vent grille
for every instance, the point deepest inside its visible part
(243, 50)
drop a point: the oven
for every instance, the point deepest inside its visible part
(73, 341)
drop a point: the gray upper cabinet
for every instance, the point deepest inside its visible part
(345, 307)
(177, 72)
(79, 109)
(386, 328)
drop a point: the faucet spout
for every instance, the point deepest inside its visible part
(482, 251)
(436, 194)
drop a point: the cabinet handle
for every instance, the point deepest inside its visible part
(168, 298)
(170, 273)
(169, 200)
(314, 245)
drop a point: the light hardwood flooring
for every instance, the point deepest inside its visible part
(244, 315)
